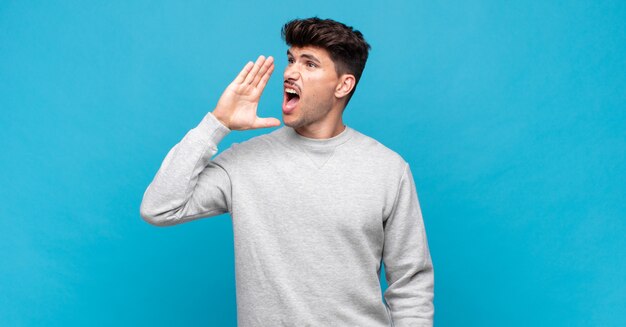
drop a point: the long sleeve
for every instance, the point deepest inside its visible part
(408, 265)
(189, 185)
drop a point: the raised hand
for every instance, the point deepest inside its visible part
(237, 107)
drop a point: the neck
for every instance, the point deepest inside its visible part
(330, 126)
(322, 144)
(321, 132)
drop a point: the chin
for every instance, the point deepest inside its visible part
(289, 123)
(293, 123)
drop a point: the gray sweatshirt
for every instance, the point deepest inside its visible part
(313, 220)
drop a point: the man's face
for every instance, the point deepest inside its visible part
(310, 81)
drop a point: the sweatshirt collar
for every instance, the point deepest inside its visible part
(332, 142)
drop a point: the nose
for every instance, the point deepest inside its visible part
(291, 73)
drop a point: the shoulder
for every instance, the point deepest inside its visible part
(380, 153)
(249, 155)
(259, 143)
(254, 146)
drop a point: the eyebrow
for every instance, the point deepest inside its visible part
(305, 55)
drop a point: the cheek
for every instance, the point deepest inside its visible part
(319, 87)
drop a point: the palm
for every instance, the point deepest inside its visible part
(237, 107)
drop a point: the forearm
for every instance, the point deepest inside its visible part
(408, 264)
(169, 199)
(410, 297)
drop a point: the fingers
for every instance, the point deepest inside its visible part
(256, 74)
(266, 122)
(244, 72)
(255, 70)
(269, 63)
(265, 77)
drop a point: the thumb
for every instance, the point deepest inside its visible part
(266, 122)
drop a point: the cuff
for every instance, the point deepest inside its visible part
(213, 127)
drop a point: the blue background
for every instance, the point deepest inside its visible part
(512, 116)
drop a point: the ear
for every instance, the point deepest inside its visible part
(345, 85)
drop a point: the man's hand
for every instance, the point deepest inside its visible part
(237, 106)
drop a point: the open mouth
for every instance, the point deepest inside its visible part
(291, 99)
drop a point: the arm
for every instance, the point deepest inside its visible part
(408, 266)
(189, 185)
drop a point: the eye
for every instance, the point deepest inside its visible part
(311, 64)
(290, 60)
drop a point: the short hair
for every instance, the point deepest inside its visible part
(346, 46)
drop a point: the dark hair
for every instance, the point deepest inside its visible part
(346, 46)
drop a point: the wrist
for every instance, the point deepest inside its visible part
(221, 119)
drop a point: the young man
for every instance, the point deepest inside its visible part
(316, 206)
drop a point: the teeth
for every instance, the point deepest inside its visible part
(291, 91)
